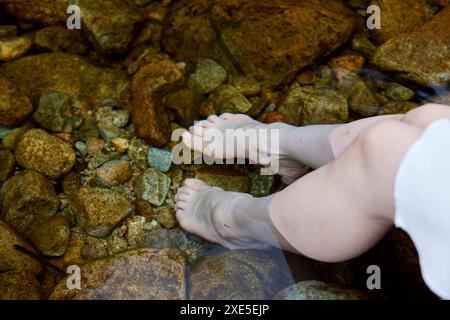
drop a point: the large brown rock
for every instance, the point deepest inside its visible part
(28, 199)
(398, 17)
(99, 210)
(45, 12)
(19, 285)
(141, 274)
(37, 150)
(150, 83)
(11, 258)
(271, 40)
(421, 56)
(240, 274)
(88, 86)
(110, 23)
(14, 105)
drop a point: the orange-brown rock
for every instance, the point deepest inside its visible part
(149, 85)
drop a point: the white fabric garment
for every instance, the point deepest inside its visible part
(422, 200)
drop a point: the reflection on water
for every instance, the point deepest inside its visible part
(86, 115)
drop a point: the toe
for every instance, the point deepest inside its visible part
(213, 118)
(195, 183)
(226, 115)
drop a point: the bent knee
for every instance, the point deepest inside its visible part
(385, 143)
(426, 114)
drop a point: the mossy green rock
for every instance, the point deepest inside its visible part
(99, 210)
(140, 274)
(28, 199)
(11, 258)
(152, 186)
(37, 150)
(19, 285)
(421, 56)
(239, 274)
(87, 85)
(317, 290)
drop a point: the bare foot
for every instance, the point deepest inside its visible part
(208, 212)
(202, 137)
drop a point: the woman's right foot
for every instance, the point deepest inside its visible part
(203, 137)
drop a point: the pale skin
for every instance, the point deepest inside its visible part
(335, 213)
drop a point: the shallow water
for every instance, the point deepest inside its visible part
(97, 106)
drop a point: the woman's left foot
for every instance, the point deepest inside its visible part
(209, 212)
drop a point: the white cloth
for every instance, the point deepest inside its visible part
(422, 200)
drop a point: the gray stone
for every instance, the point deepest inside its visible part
(208, 76)
(55, 112)
(316, 290)
(227, 99)
(152, 186)
(160, 159)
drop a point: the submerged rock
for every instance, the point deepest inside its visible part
(360, 98)
(149, 84)
(28, 200)
(110, 23)
(185, 104)
(239, 274)
(399, 17)
(110, 117)
(159, 158)
(227, 99)
(11, 258)
(52, 237)
(101, 210)
(57, 38)
(141, 274)
(86, 84)
(55, 112)
(13, 48)
(307, 106)
(14, 105)
(317, 290)
(207, 76)
(152, 186)
(7, 167)
(421, 56)
(45, 12)
(115, 172)
(19, 285)
(227, 179)
(37, 150)
(271, 40)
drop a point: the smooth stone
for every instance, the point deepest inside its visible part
(207, 76)
(139, 274)
(159, 159)
(152, 186)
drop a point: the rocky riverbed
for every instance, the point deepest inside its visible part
(85, 127)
